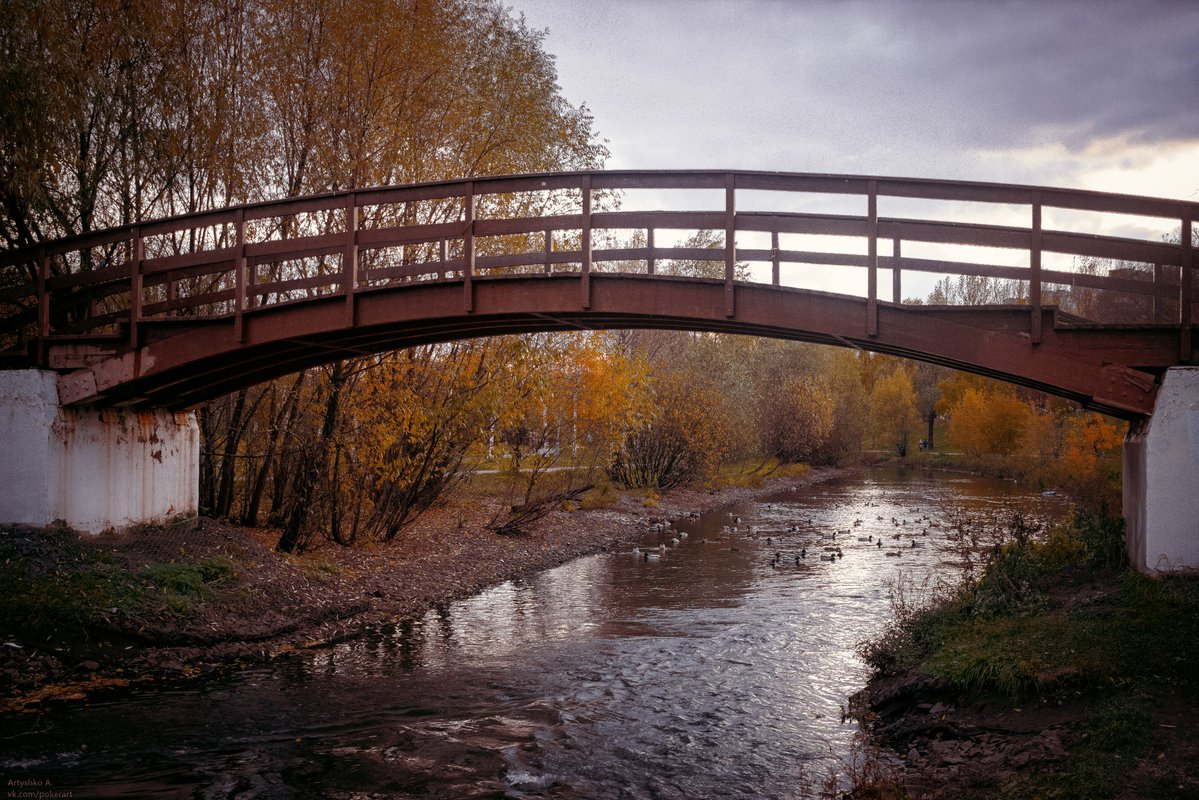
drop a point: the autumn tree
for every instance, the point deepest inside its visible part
(683, 441)
(985, 417)
(893, 409)
(801, 413)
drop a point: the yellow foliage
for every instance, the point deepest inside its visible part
(893, 409)
(988, 420)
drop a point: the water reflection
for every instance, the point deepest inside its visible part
(717, 668)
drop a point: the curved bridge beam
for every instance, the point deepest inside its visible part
(181, 365)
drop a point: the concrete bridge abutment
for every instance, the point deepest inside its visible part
(1161, 479)
(91, 468)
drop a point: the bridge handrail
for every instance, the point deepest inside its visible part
(111, 288)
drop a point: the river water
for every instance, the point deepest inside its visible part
(714, 667)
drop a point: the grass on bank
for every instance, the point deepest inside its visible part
(59, 585)
(1059, 618)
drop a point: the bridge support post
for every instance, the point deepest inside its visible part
(92, 468)
(1161, 479)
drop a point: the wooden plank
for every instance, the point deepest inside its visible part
(953, 233)
(468, 248)
(653, 179)
(896, 261)
(730, 245)
(1119, 249)
(788, 222)
(620, 254)
(1078, 200)
(816, 184)
(1186, 297)
(242, 279)
(135, 287)
(774, 258)
(152, 266)
(1034, 278)
(872, 260)
(190, 222)
(960, 268)
(516, 225)
(954, 190)
(680, 220)
(43, 301)
(186, 302)
(118, 273)
(349, 259)
(408, 270)
(373, 238)
(294, 207)
(173, 276)
(297, 248)
(585, 272)
(528, 183)
(309, 282)
(813, 257)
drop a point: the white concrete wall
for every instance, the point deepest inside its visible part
(93, 469)
(1161, 479)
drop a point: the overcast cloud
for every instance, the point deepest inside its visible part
(1097, 94)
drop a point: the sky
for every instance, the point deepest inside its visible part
(1095, 94)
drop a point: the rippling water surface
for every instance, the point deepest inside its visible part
(716, 667)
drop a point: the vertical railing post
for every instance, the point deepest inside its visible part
(135, 286)
(349, 258)
(730, 245)
(43, 293)
(549, 250)
(896, 276)
(774, 258)
(241, 281)
(468, 248)
(43, 304)
(1157, 311)
(585, 267)
(1186, 292)
(872, 258)
(651, 264)
(1034, 271)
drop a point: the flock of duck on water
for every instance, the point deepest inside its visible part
(827, 550)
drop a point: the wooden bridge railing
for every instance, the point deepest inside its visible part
(232, 262)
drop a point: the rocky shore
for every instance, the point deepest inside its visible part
(265, 604)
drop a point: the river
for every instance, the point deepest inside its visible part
(710, 665)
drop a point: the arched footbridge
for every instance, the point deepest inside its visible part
(1081, 294)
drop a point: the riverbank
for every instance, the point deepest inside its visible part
(1056, 674)
(81, 614)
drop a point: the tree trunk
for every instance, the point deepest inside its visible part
(281, 422)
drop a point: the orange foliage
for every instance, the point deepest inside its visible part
(1091, 462)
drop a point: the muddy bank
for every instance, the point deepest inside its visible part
(259, 604)
(1115, 719)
